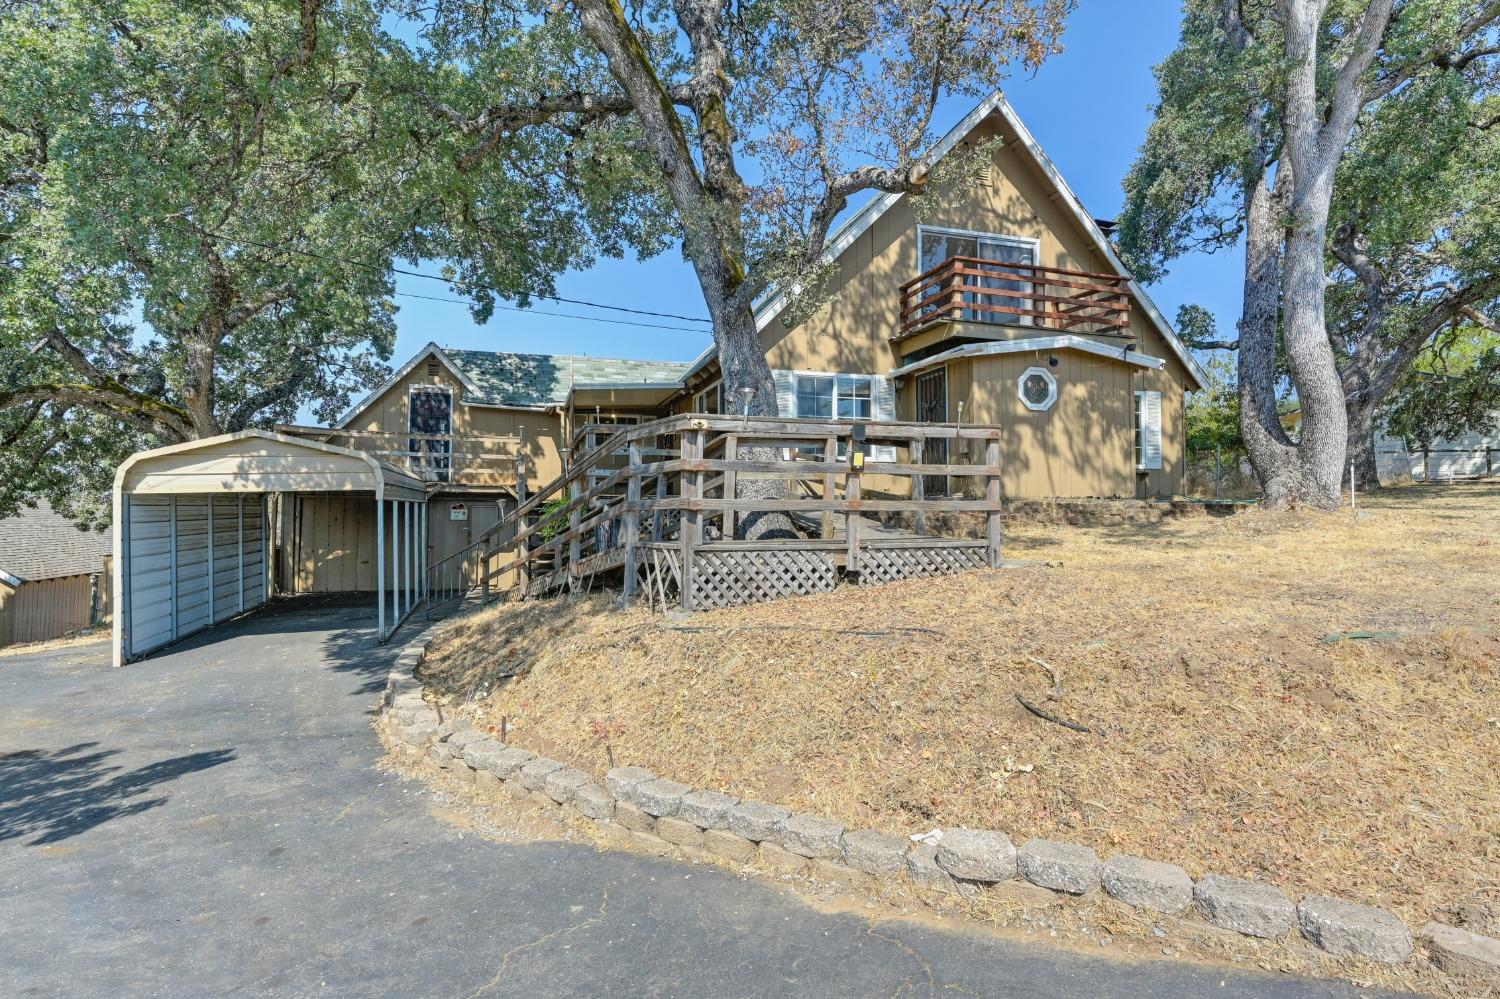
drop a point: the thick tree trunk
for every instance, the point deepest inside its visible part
(1271, 451)
(742, 362)
(1320, 392)
(1360, 403)
(709, 203)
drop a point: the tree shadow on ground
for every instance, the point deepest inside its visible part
(55, 795)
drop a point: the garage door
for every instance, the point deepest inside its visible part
(192, 560)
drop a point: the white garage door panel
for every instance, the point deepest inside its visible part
(188, 560)
(150, 571)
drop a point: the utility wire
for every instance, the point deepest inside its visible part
(283, 248)
(564, 315)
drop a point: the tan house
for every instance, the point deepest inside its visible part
(1002, 304)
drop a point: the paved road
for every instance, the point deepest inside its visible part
(208, 823)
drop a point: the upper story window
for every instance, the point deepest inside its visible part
(986, 267)
(430, 421)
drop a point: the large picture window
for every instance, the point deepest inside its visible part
(843, 397)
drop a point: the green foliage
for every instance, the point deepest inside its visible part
(201, 207)
(1451, 391)
(553, 521)
(1212, 420)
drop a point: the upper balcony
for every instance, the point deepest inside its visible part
(1024, 297)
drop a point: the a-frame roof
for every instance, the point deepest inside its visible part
(771, 304)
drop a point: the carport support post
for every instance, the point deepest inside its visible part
(380, 564)
(399, 551)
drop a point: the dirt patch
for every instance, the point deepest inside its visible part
(88, 636)
(1234, 738)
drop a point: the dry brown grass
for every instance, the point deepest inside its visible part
(1234, 740)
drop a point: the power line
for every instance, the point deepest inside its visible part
(283, 248)
(564, 315)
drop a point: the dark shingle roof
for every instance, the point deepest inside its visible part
(506, 379)
(40, 544)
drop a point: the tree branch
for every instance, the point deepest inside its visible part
(240, 417)
(1440, 56)
(137, 408)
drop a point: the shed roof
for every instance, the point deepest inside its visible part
(40, 543)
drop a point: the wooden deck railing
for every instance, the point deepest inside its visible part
(466, 459)
(681, 492)
(972, 289)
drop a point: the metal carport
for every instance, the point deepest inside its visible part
(192, 531)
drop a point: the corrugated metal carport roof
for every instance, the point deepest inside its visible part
(259, 461)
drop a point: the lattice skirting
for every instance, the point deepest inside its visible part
(728, 579)
(886, 565)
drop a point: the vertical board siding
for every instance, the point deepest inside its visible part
(192, 564)
(333, 544)
(45, 608)
(226, 565)
(148, 565)
(184, 575)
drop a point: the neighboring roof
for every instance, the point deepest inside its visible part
(1027, 345)
(857, 224)
(40, 543)
(525, 381)
(545, 379)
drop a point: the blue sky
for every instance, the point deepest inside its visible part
(1088, 107)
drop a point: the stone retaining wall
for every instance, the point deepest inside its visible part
(638, 808)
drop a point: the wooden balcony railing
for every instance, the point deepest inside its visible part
(971, 289)
(464, 459)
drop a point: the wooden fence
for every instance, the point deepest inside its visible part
(667, 503)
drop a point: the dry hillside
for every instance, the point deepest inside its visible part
(1230, 732)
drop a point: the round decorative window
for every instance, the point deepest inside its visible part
(1038, 389)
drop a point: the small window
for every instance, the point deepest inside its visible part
(1037, 388)
(815, 397)
(710, 400)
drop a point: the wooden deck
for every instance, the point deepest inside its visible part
(671, 528)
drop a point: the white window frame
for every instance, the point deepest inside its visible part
(1141, 452)
(420, 458)
(875, 454)
(835, 376)
(699, 397)
(1045, 404)
(1030, 242)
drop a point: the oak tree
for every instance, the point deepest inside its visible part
(1259, 104)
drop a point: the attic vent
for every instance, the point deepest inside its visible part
(985, 173)
(432, 369)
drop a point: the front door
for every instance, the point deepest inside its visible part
(456, 522)
(932, 407)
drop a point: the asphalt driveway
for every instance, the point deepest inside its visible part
(209, 822)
